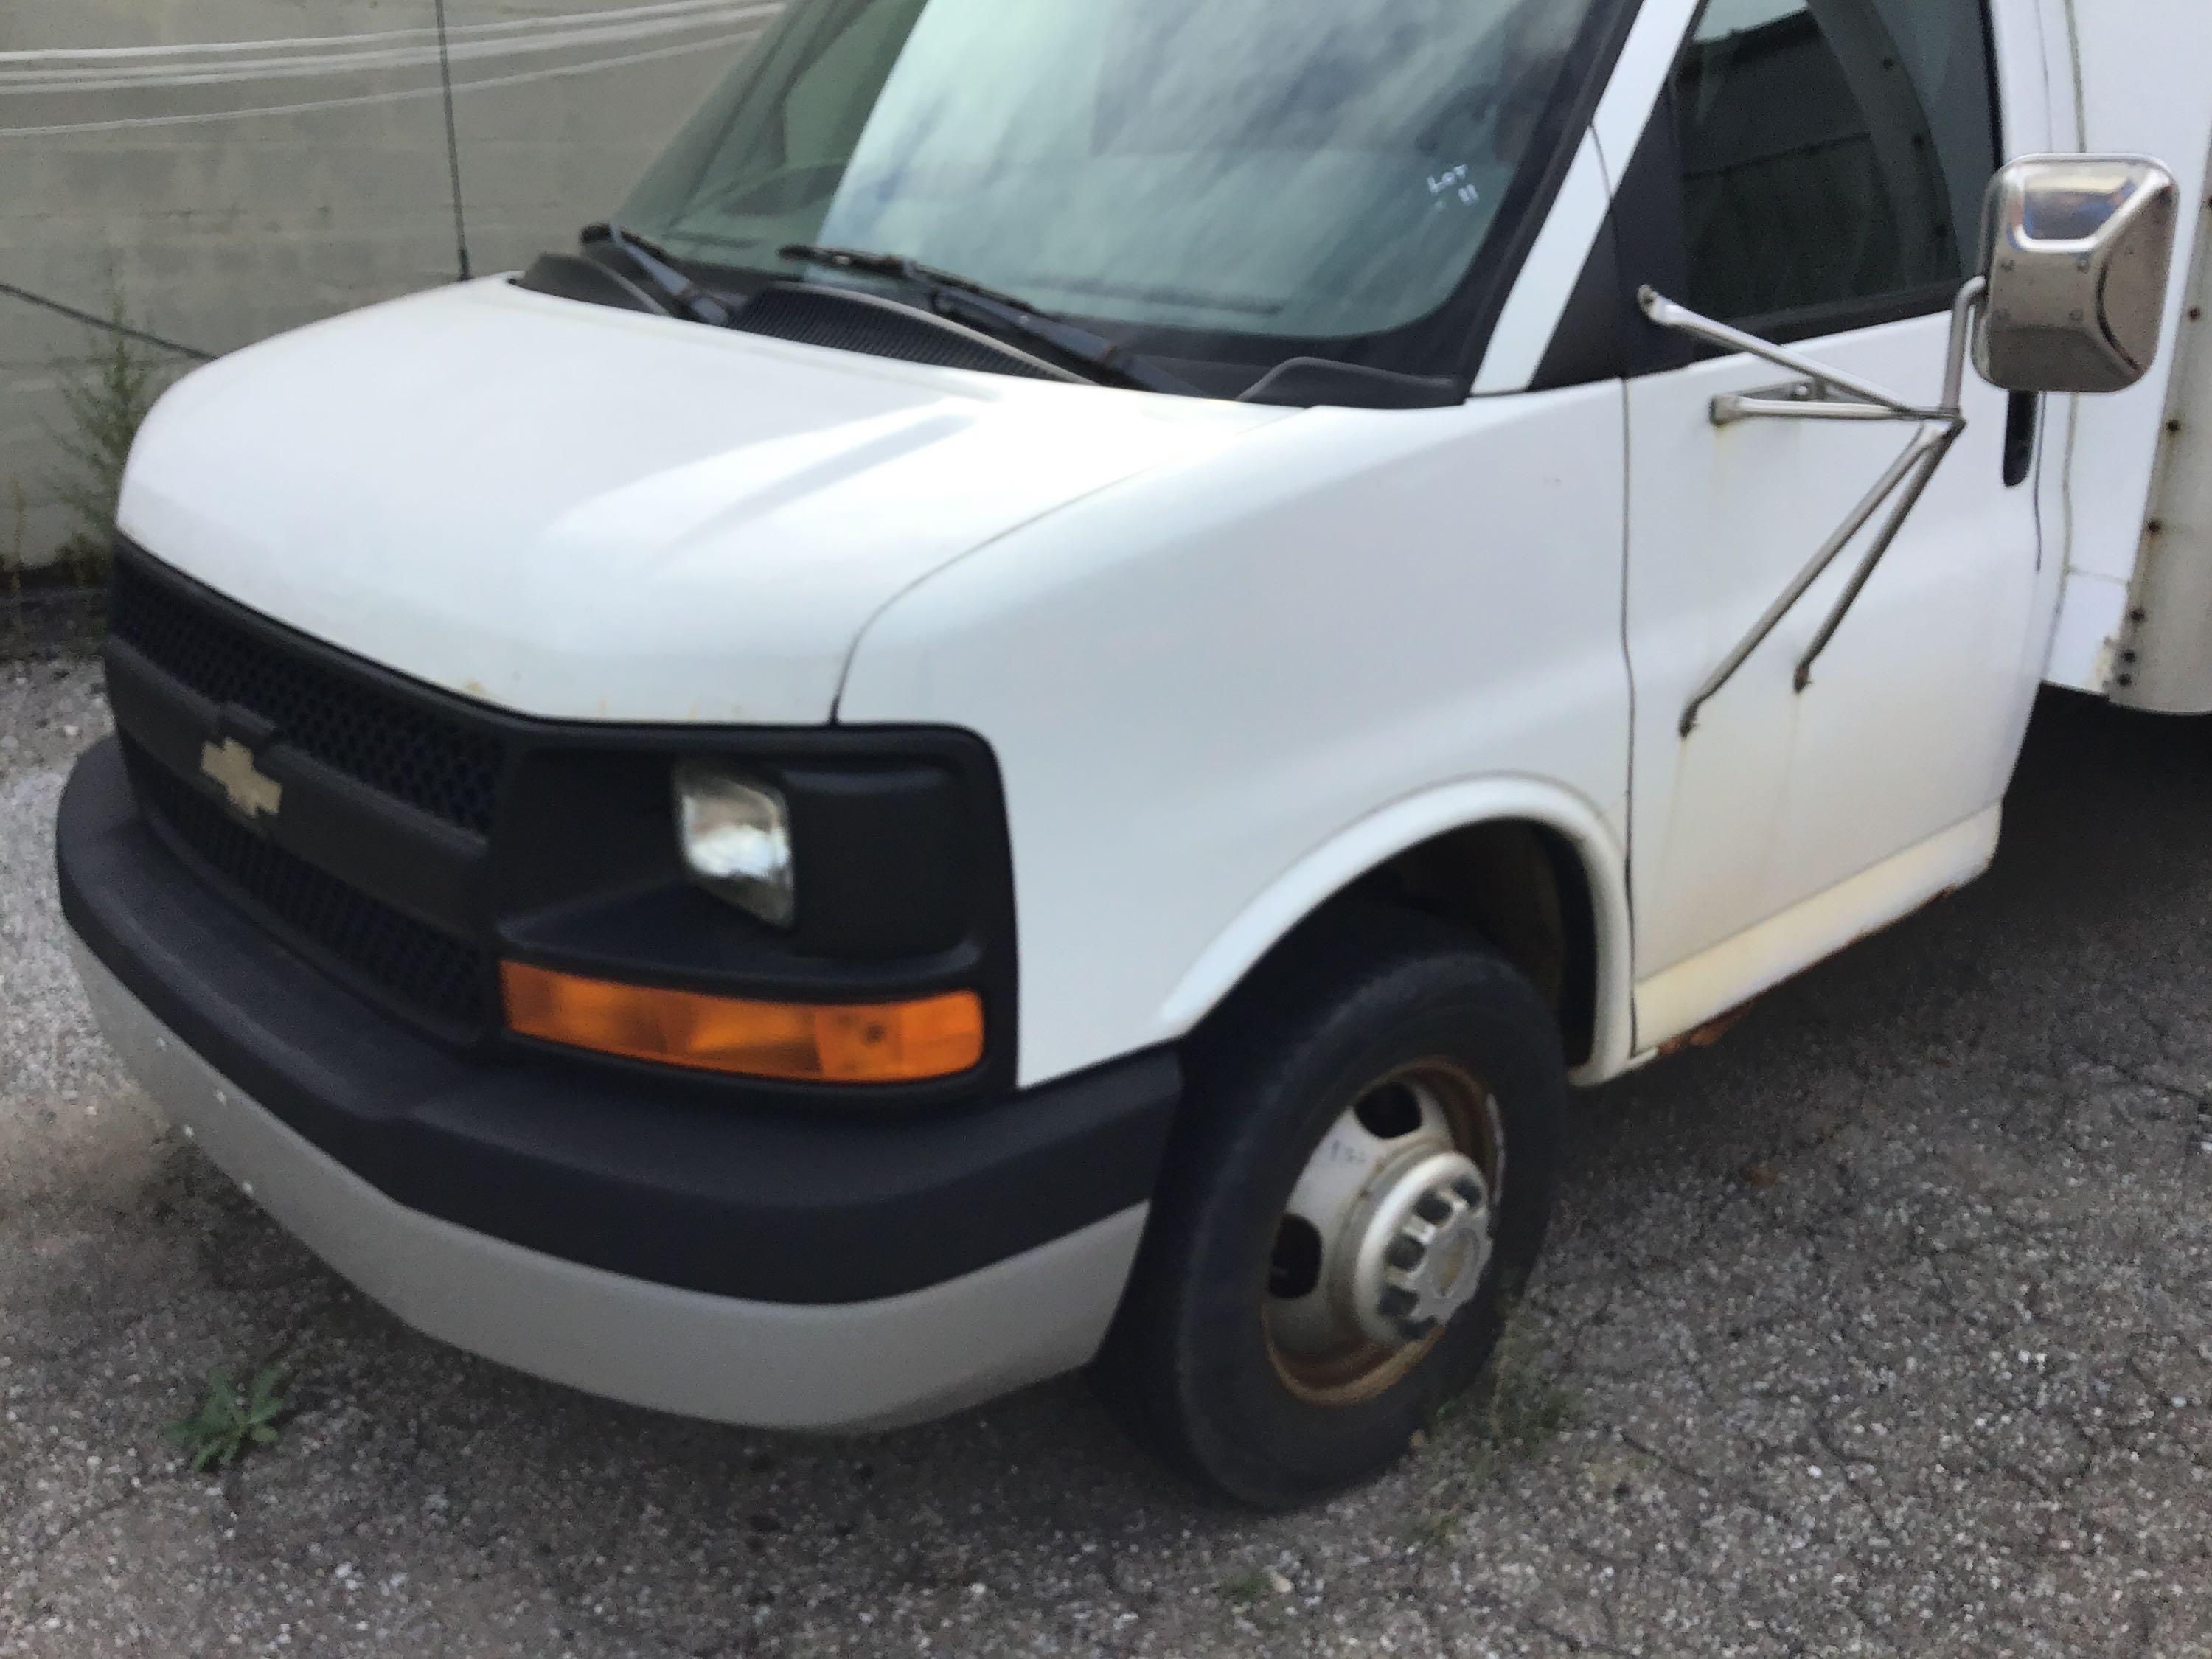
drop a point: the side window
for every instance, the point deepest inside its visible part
(1834, 153)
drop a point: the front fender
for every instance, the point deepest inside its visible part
(1375, 839)
(1219, 691)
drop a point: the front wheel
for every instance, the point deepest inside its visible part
(1371, 1141)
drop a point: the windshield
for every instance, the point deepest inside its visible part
(1302, 170)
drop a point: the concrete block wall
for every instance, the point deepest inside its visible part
(221, 233)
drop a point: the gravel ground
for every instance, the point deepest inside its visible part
(1884, 1323)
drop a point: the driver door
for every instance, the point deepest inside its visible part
(1813, 176)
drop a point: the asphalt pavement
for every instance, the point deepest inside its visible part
(1885, 1327)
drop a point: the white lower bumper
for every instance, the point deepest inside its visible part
(859, 1365)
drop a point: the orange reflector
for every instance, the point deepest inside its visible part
(870, 1042)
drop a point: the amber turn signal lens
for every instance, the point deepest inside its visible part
(807, 1043)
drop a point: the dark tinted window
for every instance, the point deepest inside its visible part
(1834, 152)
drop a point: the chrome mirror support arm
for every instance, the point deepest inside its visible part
(1682, 320)
(1930, 447)
(1970, 301)
(1902, 486)
(1801, 401)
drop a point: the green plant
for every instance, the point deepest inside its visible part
(1244, 1588)
(229, 1423)
(107, 399)
(1514, 1408)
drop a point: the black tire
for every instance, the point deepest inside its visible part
(1365, 992)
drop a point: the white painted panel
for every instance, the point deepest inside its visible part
(1912, 721)
(2147, 91)
(583, 512)
(1720, 980)
(2170, 624)
(1646, 63)
(1200, 681)
(2092, 617)
(1531, 317)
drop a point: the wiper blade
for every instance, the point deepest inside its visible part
(968, 300)
(684, 297)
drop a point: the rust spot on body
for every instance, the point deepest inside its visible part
(1709, 1034)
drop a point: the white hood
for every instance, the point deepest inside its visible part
(581, 513)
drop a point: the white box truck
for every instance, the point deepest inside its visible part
(1037, 710)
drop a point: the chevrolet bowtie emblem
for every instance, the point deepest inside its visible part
(251, 791)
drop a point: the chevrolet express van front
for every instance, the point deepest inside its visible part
(1001, 725)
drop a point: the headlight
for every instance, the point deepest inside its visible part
(736, 836)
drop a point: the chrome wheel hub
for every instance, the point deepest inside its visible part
(1388, 1234)
(1422, 1254)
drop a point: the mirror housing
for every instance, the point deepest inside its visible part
(2078, 250)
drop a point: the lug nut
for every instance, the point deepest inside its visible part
(1406, 1254)
(1398, 1302)
(1433, 1208)
(1471, 1190)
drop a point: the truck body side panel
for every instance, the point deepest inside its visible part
(2173, 639)
(2137, 68)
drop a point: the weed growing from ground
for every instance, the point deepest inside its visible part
(1244, 1588)
(1515, 1406)
(107, 401)
(1514, 1410)
(232, 1422)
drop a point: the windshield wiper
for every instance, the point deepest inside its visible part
(684, 298)
(964, 299)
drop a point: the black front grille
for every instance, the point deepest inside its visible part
(426, 972)
(566, 854)
(343, 720)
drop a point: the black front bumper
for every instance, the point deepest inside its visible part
(662, 1181)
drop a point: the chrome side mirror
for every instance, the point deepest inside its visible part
(2078, 249)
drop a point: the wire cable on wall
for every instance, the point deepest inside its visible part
(453, 147)
(340, 42)
(107, 323)
(129, 122)
(155, 67)
(162, 76)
